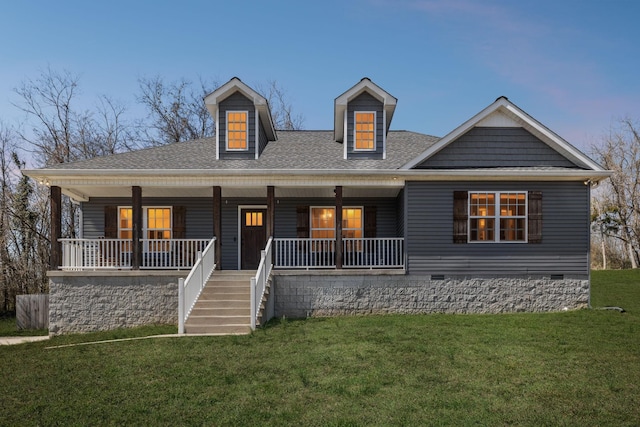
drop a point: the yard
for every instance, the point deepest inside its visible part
(570, 368)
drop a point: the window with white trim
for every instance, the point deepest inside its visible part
(364, 130)
(156, 226)
(237, 130)
(323, 222)
(498, 217)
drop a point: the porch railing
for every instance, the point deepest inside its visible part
(356, 253)
(259, 282)
(172, 254)
(373, 253)
(305, 253)
(97, 254)
(189, 289)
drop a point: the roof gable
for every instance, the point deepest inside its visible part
(236, 85)
(496, 147)
(503, 113)
(365, 85)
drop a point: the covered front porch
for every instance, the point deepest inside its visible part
(164, 226)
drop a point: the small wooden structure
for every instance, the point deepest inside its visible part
(32, 311)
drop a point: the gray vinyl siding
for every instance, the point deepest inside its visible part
(237, 102)
(565, 233)
(263, 139)
(400, 214)
(490, 147)
(365, 102)
(199, 222)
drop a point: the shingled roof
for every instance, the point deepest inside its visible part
(293, 150)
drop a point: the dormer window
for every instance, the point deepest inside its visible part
(237, 135)
(365, 130)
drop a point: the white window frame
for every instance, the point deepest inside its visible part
(497, 217)
(311, 228)
(227, 131)
(145, 221)
(355, 131)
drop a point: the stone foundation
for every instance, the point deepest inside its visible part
(326, 294)
(99, 301)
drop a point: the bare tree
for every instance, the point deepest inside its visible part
(176, 110)
(23, 227)
(282, 111)
(619, 199)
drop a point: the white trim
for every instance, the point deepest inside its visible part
(217, 125)
(344, 132)
(375, 125)
(256, 133)
(497, 217)
(226, 132)
(504, 106)
(239, 238)
(384, 134)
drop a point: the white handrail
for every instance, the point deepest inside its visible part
(189, 289)
(259, 282)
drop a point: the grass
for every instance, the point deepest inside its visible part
(571, 368)
(8, 328)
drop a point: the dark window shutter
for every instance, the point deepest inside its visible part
(534, 217)
(370, 221)
(111, 222)
(302, 222)
(460, 216)
(179, 222)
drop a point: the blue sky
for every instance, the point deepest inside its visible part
(573, 65)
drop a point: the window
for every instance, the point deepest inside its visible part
(125, 228)
(157, 226)
(352, 223)
(125, 223)
(365, 130)
(237, 135)
(253, 219)
(498, 217)
(323, 223)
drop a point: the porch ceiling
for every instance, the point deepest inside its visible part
(84, 192)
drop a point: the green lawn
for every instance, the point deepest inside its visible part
(573, 368)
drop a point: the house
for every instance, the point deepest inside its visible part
(493, 217)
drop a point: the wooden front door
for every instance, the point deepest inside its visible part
(253, 237)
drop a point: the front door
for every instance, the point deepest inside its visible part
(253, 237)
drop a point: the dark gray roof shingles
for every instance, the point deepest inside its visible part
(294, 150)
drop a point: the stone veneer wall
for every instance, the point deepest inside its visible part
(328, 295)
(98, 301)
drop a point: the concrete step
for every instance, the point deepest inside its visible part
(218, 320)
(223, 303)
(218, 330)
(218, 290)
(221, 311)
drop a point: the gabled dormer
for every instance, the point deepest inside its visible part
(362, 116)
(244, 125)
